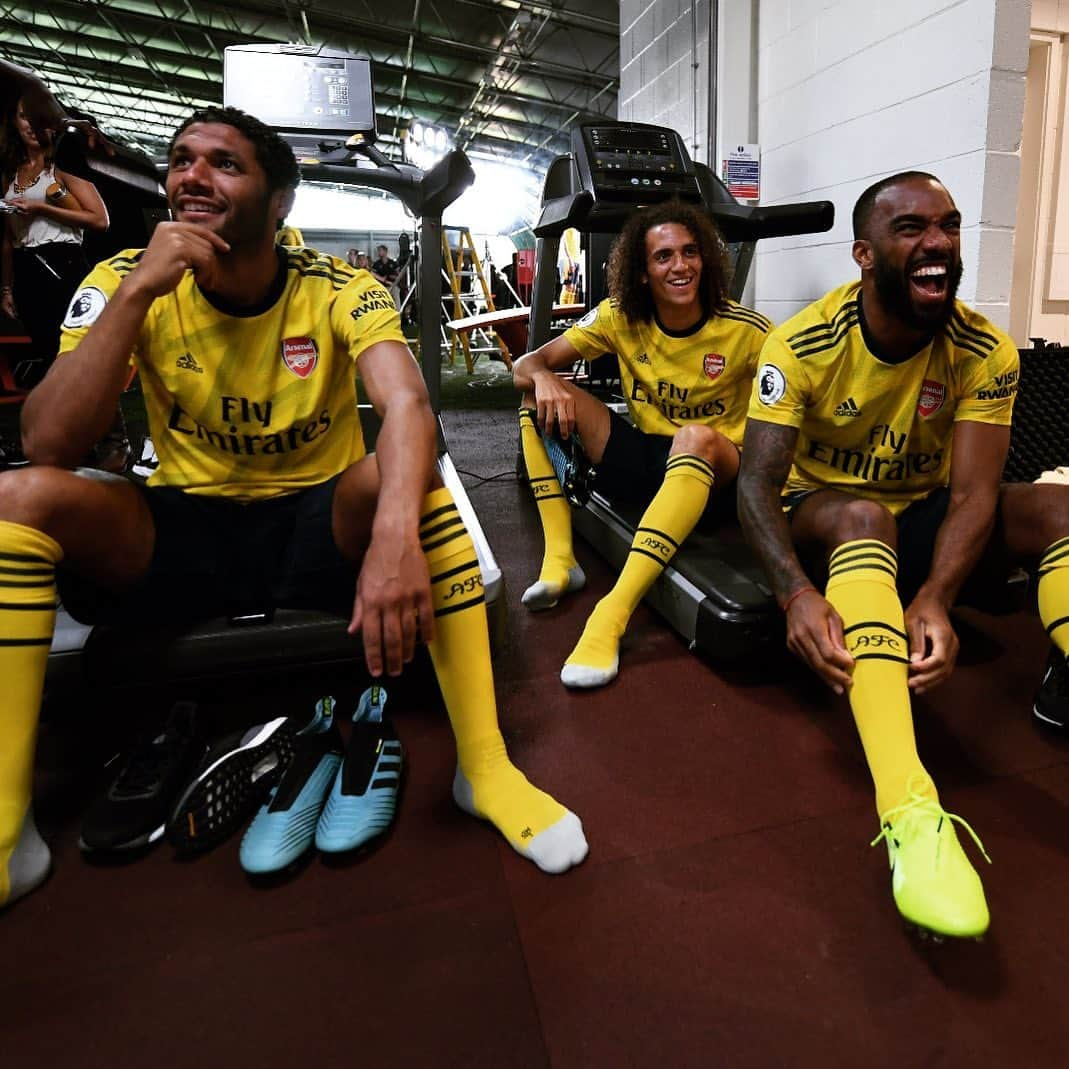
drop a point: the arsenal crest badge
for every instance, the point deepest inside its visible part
(933, 394)
(714, 365)
(300, 355)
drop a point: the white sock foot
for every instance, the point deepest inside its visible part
(540, 595)
(584, 677)
(29, 863)
(559, 847)
(554, 850)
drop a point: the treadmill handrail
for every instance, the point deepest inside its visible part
(421, 192)
(740, 222)
(563, 212)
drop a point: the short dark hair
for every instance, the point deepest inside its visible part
(272, 153)
(377, 247)
(867, 201)
(627, 260)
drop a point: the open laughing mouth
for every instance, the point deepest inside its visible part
(930, 281)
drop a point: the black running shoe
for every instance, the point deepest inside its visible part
(132, 812)
(234, 778)
(1051, 708)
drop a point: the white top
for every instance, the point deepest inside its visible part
(28, 233)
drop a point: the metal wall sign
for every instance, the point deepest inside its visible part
(741, 171)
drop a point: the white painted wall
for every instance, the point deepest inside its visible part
(664, 68)
(849, 91)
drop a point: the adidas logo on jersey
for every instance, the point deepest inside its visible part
(642, 358)
(187, 363)
(848, 408)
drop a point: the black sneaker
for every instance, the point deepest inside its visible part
(234, 778)
(132, 812)
(1051, 707)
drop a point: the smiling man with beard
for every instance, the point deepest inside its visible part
(874, 448)
(265, 495)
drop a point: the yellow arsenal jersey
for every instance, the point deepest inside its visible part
(879, 430)
(257, 402)
(671, 379)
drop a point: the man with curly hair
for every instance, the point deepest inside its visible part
(687, 358)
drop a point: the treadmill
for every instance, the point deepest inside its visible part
(322, 102)
(714, 593)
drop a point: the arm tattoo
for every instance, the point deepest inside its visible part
(767, 454)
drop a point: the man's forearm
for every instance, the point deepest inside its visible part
(768, 452)
(766, 528)
(960, 543)
(74, 405)
(405, 467)
(526, 369)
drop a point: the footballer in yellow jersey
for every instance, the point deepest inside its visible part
(264, 496)
(883, 410)
(703, 374)
(281, 418)
(879, 429)
(687, 356)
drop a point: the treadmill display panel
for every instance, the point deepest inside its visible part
(634, 162)
(301, 88)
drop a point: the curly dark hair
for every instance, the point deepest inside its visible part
(272, 153)
(627, 260)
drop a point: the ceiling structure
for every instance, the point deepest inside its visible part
(505, 78)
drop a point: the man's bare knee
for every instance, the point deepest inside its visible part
(29, 496)
(865, 519)
(699, 441)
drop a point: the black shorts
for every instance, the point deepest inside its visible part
(631, 469)
(217, 557)
(918, 526)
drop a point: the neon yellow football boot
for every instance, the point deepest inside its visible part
(934, 885)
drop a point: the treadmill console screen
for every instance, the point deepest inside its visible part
(302, 88)
(633, 162)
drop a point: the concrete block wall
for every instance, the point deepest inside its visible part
(850, 90)
(847, 91)
(661, 41)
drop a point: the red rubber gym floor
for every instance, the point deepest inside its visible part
(731, 912)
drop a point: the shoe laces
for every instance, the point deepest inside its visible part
(917, 801)
(148, 764)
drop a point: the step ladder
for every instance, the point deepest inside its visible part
(463, 270)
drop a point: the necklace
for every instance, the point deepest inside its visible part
(21, 187)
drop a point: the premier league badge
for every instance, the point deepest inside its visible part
(771, 385)
(933, 394)
(300, 355)
(714, 365)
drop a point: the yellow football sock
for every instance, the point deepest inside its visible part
(1053, 593)
(667, 521)
(27, 618)
(560, 573)
(487, 784)
(861, 587)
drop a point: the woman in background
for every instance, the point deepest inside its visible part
(41, 258)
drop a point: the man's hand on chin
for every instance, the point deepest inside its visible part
(174, 249)
(393, 608)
